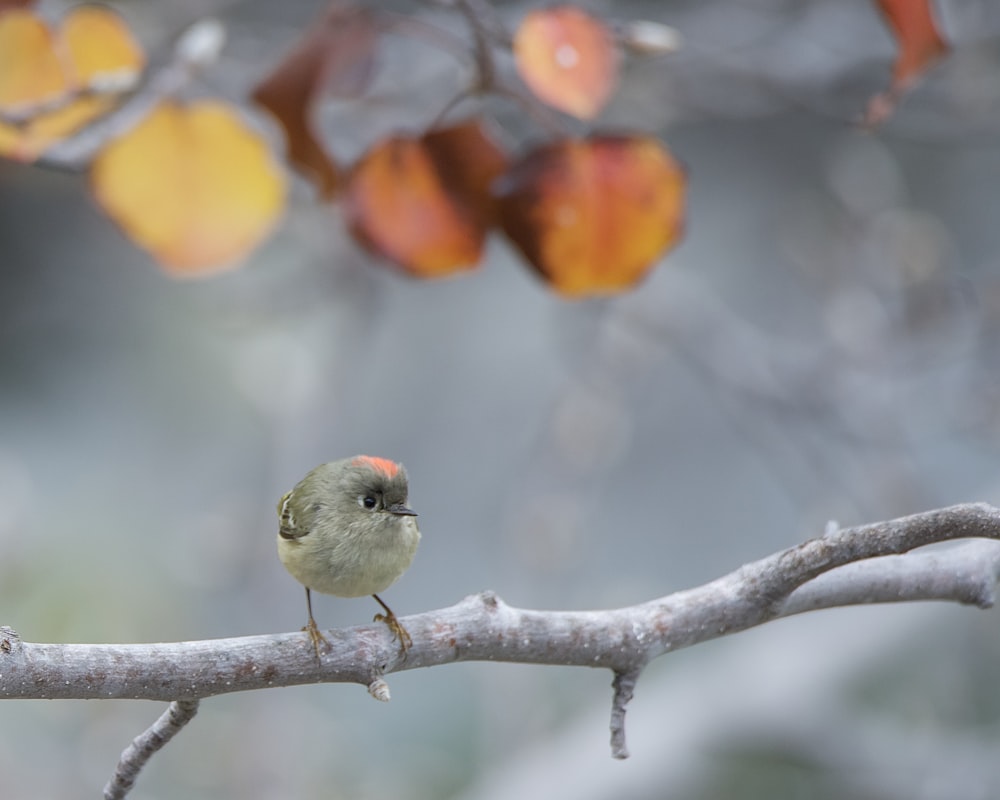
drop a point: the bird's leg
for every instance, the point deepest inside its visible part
(312, 629)
(398, 631)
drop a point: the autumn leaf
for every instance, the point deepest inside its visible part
(594, 215)
(423, 202)
(336, 57)
(568, 59)
(469, 160)
(920, 47)
(31, 72)
(192, 185)
(100, 49)
(28, 141)
(52, 83)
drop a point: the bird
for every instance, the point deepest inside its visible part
(346, 530)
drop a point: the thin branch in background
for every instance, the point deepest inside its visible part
(135, 756)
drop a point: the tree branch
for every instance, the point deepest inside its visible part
(850, 566)
(967, 573)
(624, 686)
(135, 756)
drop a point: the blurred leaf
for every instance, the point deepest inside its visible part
(337, 57)
(469, 160)
(920, 47)
(101, 49)
(31, 72)
(192, 185)
(423, 203)
(594, 215)
(568, 59)
(28, 141)
(42, 74)
(920, 43)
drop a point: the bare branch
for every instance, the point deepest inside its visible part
(624, 686)
(966, 573)
(143, 746)
(849, 566)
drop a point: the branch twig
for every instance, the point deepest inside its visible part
(143, 746)
(624, 686)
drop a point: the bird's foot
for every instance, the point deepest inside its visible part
(316, 637)
(398, 631)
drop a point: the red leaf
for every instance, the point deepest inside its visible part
(469, 161)
(920, 47)
(337, 56)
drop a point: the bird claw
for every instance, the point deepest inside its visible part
(398, 631)
(316, 637)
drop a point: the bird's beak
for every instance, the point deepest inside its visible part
(401, 510)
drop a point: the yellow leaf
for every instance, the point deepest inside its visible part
(192, 185)
(53, 83)
(28, 141)
(101, 48)
(31, 72)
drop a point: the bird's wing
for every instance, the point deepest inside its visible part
(286, 522)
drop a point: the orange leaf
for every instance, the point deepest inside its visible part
(920, 46)
(338, 55)
(420, 202)
(468, 160)
(568, 59)
(31, 72)
(101, 48)
(594, 215)
(192, 185)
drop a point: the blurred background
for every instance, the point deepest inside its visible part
(822, 345)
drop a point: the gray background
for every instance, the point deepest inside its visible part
(821, 346)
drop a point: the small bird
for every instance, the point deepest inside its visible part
(345, 530)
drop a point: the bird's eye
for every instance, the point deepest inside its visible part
(367, 501)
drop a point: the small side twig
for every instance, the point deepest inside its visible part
(143, 746)
(624, 686)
